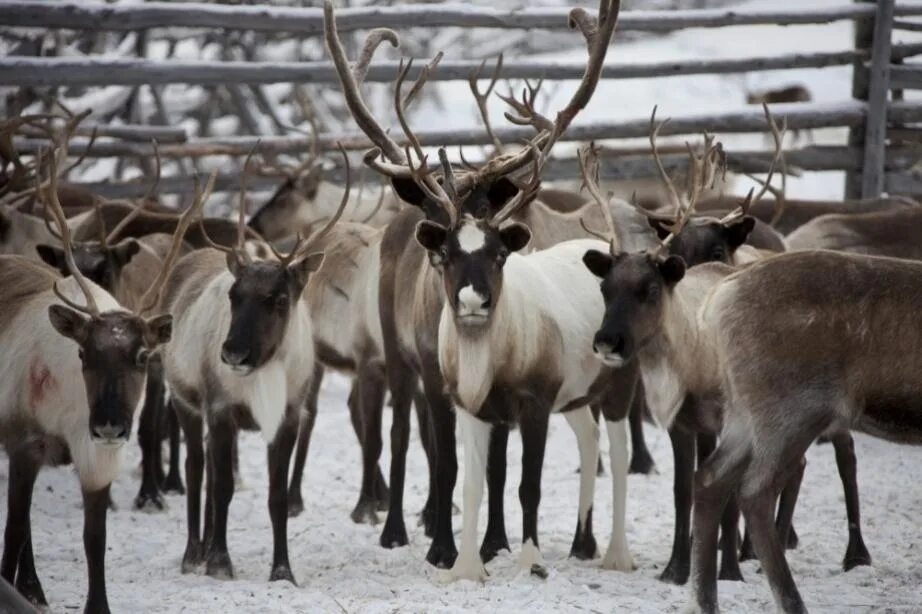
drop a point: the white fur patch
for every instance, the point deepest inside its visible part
(475, 439)
(664, 389)
(471, 238)
(268, 392)
(530, 555)
(587, 440)
(469, 301)
(618, 556)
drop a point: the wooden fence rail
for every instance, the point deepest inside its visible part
(309, 21)
(799, 116)
(49, 72)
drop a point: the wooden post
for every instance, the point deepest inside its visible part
(875, 136)
(864, 38)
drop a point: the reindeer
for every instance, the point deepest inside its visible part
(827, 305)
(243, 359)
(63, 404)
(892, 233)
(411, 335)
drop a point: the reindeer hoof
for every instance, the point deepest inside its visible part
(491, 546)
(618, 561)
(394, 534)
(282, 572)
(793, 540)
(173, 485)
(584, 547)
(219, 566)
(193, 557)
(31, 589)
(731, 573)
(149, 502)
(295, 505)
(675, 573)
(642, 463)
(443, 556)
(365, 512)
(855, 556)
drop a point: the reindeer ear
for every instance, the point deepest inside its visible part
(599, 263)
(431, 235)
(68, 322)
(158, 330)
(659, 226)
(736, 232)
(53, 257)
(124, 251)
(302, 268)
(515, 236)
(309, 182)
(233, 263)
(408, 191)
(500, 192)
(672, 269)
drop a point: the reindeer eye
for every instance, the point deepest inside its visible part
(281, 302)
(501, 257)
(718, 254)
(648, 293)
(141, 358)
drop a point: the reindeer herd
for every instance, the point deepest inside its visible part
(749, 328)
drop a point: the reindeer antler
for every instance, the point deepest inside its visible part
(138, 206)
(482, 98)
(588, 158)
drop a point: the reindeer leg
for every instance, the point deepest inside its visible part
(534, 425)
(618, 556)
(787, 501)
(306, 421)
(149, 497)
(641, 460)
(475, 438)
(95, 508)
(495, 538)
(442, 551)
(683, 455)
(856, 553)
(402, 383)
(729, 542)
(195, 459)
(587, 437)
(372, 383)
(173, 482)
(427, 515)
(17, 538)
(279, 454)
(221, 436)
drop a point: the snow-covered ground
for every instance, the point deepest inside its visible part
(341, 568)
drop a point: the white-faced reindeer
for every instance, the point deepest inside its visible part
(73, 375)
(243, 358)
(411, 336)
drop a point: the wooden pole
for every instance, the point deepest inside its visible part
(864, 38)
(875, 136)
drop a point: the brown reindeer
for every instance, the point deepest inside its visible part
(893, 233)
(79, 402)
(790, 93)
(851, 319)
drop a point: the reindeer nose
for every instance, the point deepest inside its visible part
(110, 432)
(234, 357)
(472, 301)
(608, 345)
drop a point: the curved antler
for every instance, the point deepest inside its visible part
(482, 97)
(140, 206)
(588, 158)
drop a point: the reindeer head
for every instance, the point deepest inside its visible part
(466, 231)
(102, 264)
(706, 239)
(265, 293)
(113, 346)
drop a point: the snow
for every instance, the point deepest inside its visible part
(339, 564)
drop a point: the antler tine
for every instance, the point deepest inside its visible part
(482, 98)
(598, 35)
(448, 176)
(242, 208)
(469, 166)
(529, 191)
(664, 176)
(352, 92)
(151, 298)
(588, 158)
(423, 77)
(382, 193)
(372, 42)
(778, 157)
(139, 207)
(51, 198)
(528, 115)
(339, 211)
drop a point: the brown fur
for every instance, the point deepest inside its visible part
(21, 280)
(791, 93)
(895, 233)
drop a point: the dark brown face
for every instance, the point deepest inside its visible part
(102, 265)
(262, 298)
(633, 287)
(469, 255)
(114, 348)
(706, 239)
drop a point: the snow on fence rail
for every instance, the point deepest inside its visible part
(80, 15)
(877, 69)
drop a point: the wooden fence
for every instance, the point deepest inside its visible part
(874, 118)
